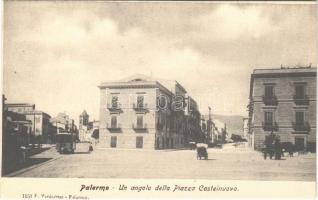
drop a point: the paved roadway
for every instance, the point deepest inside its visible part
(227, 164)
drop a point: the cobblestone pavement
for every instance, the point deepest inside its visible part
(227, 164)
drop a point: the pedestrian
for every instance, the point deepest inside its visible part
(90, 147)
(278, 149)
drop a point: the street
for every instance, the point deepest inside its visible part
(227, 164)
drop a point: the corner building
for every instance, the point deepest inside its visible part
(283, 102)
(137, 113)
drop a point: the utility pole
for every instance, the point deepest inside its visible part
(209, 126)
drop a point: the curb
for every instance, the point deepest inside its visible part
(21, 171)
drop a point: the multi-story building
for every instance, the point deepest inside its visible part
(16, 132)
(63, 123)
(283, 102)
(88, 130)
(193, 131)
(40, 128)
(83, 119)
(140, 112)
(20, 107)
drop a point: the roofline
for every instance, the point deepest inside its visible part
(312, 67)
(19, 104)
(152, 84)
(184, 90)
(121, 83)
(36, 112)
(284, 74)
(23, 121)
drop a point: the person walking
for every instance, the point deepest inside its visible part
(278, 149)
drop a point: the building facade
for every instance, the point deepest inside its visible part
(88, 130)
(40, 128)
(193, 131)
(16, 133)
(283, 102)
(139, 112)
(63, 123)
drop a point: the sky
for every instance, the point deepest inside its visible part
(57, 53)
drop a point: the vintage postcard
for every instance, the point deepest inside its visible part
(162, 99)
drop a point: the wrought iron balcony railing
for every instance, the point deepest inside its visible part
(139, 127)
(113, 127)
(304, 126)
(270, 100)
(301, 100)
(270, 126)
(140, 107)
(114, 107)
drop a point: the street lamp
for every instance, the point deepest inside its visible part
(209, 122)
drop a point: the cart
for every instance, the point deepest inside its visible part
(202, 151)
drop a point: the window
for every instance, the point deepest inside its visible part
(140, 101)
(300, 91)
(139, 142)
(140, 121)
(115, 102)
(300, 117)
(268, 118)
(114, 122)
(113, 141)
(299, 143)
(269, 91)
(37, 119)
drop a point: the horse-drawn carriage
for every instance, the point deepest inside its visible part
(202, 151)
(274, 147)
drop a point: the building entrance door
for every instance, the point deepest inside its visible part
(113, 142)
(299, 143)
(139, 142)
(157, 143)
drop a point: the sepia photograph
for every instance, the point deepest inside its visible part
(159, 90)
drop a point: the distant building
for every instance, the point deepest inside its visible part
(88, 128)
(283, 102)
(246, 134)
(40, 120)
(63, 123)
(207, 130)
(219, 131)
(83, 119)
(140, 112)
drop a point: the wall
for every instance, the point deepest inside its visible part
(285, 110)
(126, 138)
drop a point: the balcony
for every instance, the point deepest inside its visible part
(114, 107)
(114, 127)
(140, 108)
(301, 100)
(270, 126)
(301, 127)
(270, 100)
(142, 127)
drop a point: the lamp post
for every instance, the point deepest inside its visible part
(209, 126)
